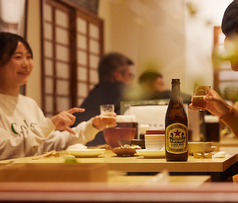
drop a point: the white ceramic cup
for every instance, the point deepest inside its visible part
(155, 142)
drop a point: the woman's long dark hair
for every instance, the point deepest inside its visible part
(8, 45)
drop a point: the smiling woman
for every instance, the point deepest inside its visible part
(16, 68)
(24, 130)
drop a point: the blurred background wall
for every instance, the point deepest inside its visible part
(174, 36)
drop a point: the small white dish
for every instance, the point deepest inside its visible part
(77, 146)
(199, 147)
(151, 153)
(86, 152)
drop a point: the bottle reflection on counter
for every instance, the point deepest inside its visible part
(212, 128)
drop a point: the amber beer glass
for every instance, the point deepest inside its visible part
(176, 127)
(199, 92)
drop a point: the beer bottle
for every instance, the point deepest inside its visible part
(176, 126)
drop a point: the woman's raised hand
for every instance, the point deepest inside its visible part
(64, 119)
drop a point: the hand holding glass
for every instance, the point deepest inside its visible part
(199, 92)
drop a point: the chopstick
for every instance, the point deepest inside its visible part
(44, 155)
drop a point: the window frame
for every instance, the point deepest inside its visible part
(74, 11)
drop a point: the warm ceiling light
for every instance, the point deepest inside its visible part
(11, 10)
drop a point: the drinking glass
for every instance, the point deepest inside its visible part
(199, 92)
(107, 110)
(107, 113)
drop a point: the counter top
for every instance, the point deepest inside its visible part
(138, 164)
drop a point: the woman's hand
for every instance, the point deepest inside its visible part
(102, 122)
(64, 119)
(214, 104)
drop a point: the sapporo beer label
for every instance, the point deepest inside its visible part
(176, 138)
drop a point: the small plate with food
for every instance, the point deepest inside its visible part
(125, 150)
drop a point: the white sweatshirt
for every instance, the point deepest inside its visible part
(25, 131)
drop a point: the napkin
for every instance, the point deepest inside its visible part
(221, 154)
(77, 146)
(153, 115)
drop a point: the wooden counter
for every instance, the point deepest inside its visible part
(130, 193)
(218, 168)
(194, 181)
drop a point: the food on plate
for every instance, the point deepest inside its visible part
(104, 146)
(126, 150)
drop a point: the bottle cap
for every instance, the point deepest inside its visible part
(175, 81)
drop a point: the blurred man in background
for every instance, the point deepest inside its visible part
(115, 75)
(152, 87)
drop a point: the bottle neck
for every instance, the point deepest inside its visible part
(175, 95)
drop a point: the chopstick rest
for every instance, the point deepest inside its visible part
(202, 155)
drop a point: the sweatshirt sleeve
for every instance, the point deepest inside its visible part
(60, 140)
(231, 120)
(85, 132)
(43, 129)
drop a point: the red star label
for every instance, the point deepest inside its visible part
(177, 133)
